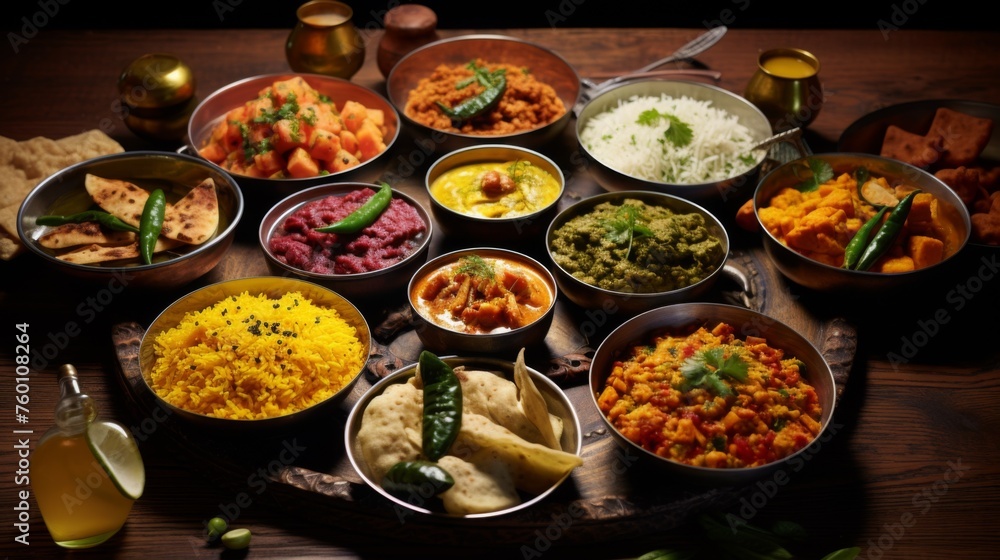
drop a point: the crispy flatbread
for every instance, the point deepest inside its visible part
(482, 485)
(194, 218)
(533, 404)
(908, 147)
(93, 254)
(122, 199)
(25, 164)
(86, 233)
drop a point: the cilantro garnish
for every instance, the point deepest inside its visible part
(707, 367)
(679, 133)
(288, 110)
(821, 173)
(624, 227)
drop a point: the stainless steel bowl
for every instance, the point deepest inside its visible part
(546, 65)
(272, 287)
(558, 404)
(715, 193)
(358, 286)
(746, 323)
(822, 277)
(64, 193)
(441, 339)
(213, 109)
(502, 230)
(590, 296)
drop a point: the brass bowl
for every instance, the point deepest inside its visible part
(272, 287)
(64, 193)
(442, 339)
(746, 322)
(713, 193)
(825, 278)
(546, 65)
(557, 401)
(364, 285)
(590, 296)
(505, 231)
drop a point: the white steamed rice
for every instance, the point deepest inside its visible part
(719, 149)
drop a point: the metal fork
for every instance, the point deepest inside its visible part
(691, 49)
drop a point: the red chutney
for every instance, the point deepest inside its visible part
(663, 396)
(396, 233)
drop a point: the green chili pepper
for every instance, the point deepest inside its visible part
(887, 234)
(151, 223)
(107, 220)
(442, 405)
(858, 243)
(364, 216)
(493, 90)
(407, 478)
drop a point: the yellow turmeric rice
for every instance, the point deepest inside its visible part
(252, 357)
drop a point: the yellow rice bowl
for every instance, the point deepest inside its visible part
(251, 357)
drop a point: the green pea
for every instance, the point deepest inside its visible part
(216, 527)
(236, 539)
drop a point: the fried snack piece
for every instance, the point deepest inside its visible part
(912, 148)
(963, 137)
(965, 182)
(745, 217)
(986, 225)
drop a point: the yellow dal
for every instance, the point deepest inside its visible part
(252, 357)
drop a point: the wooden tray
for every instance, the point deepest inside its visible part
(305, 469)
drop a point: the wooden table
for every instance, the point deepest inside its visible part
(912, 471)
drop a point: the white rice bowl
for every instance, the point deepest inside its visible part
(720, 147)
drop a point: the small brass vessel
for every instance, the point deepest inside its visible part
(325, 41)
(158, 95)
(786, 88)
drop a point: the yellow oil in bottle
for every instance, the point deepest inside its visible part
(80, 505)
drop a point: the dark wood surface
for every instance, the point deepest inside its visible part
(911, 471)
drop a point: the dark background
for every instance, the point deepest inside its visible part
(500, 14)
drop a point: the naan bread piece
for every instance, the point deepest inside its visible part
(482, 485)
(86, 233)
(122, 199)
(533, 404)
(388, 427)
(93, 254)
(194, 218)
(534, 467)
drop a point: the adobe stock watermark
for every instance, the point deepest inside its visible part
(258, 481)
(899, 16)
(956, 299)
(921, 502)
(32, 25)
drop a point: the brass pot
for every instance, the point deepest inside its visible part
(786, 88)
(325, 41)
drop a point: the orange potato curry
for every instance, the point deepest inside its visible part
(820, 223)
(292, 131)
(478, 295)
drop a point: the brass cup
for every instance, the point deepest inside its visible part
(325, 41)
(791, 96)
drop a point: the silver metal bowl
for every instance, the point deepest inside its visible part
(213, 109)
(441, 339)
(713, 193)
(590, 296)
(557, 401)
(822, 277)
(358, 286)
(64, 193)
(502, 230)
(746, 323)
(273, 287)
(543, 63)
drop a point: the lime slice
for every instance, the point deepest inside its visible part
(877, 195)
(116, 451)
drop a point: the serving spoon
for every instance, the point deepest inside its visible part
(690, 49)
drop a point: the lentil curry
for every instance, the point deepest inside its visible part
(710, 399)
